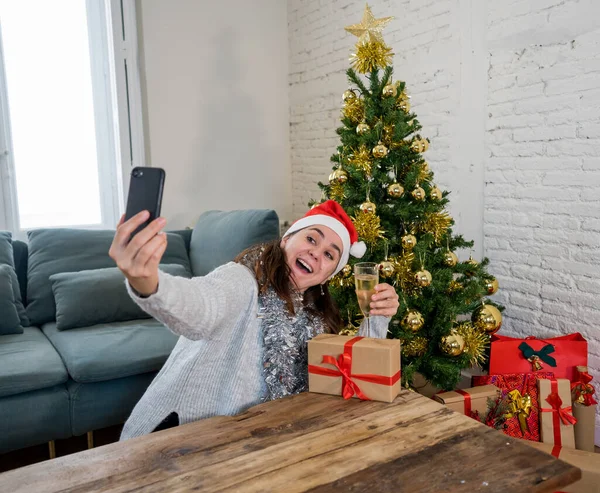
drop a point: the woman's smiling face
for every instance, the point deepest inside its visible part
(312, 254)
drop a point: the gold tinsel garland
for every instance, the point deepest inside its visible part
(361, 159)
(454, 287)
(424, 173)
(354, 110)
(371, 55)
(476, 342)
(336, 192)
(437, 224)
(415, 347)
(368, 227)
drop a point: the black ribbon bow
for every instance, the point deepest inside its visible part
(543, 354)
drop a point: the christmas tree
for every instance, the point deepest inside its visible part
(381, 178)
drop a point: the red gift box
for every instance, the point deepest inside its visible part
(560, 355)
(521, 392)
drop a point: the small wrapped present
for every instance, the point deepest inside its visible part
(520, 392)
(584, 409)
(469, 401)
(556, 413)
(559, 355)
(350, 366)
(589, 463)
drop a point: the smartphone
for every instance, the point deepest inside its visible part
(145, 194)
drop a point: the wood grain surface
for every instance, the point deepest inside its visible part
(310, 442)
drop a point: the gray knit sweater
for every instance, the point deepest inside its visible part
(216, 366)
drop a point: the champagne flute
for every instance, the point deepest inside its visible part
(366, 277)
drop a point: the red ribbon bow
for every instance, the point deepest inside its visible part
(564, 413)
(583, 390)
(344, 370)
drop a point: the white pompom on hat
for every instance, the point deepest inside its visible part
(332, 215)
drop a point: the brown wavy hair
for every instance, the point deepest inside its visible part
(271, 269)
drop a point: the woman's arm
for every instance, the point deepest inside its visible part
(195, 308)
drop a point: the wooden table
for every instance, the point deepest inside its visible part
(310, 442)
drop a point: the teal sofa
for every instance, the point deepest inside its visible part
(77, 361)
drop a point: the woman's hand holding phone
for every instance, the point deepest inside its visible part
(139, 257)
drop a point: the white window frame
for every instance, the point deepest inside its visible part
(118, 113)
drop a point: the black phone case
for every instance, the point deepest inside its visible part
(145, 193)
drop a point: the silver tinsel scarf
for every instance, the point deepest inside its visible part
(285, 336)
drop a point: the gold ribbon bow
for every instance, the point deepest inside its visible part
(520, 406)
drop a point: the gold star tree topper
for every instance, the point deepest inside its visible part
(369, 28)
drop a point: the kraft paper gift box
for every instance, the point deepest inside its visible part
(584, 409)
(588, 462)
(556, 413)
(468, 401)
(361, 367)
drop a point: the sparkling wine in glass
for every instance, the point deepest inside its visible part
(366, 277)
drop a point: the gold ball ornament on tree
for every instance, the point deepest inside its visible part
(387, 268)
(362, 128)
(450, 259)
(418, 193)
(409, 242)
(487, 318)
(390, 91)
(368, 206)
(423, 278)
(491, 286)
(435, 193)
(413, 321)
(338, 175)
(349, 95)
(380, 151)
(395, 190)
(453, 344)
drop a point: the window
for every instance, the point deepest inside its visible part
(70, 109)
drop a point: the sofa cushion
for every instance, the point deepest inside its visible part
(219, 237)
(69, 250)
(9, 317)
(101, 404)
(20, 256)
(115, 350)
(34, 417)
(29, 362)
(98, 296)
(6, 249)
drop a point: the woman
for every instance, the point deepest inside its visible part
(244, 327)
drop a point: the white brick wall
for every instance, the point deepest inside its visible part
(509, 93)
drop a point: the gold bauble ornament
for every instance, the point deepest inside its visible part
(435, 193)
(368, 207)
(387, 268)
(418, 193)
(450, 259)
(423, 278)
(487, 318)
(348, 95)
(409, 242)
(472, 261)
(395, 190)
(415, 347)
(453, 344)
(424, 145)
(380, 151)
(347, 270)
(413, 321)
(389, 91)
(338, 175)
(491, 286)
(362, 128)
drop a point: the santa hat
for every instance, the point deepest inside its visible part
(331, 214)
